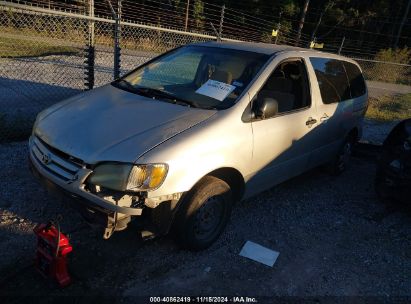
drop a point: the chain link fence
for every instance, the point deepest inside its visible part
(41, 62)
(382, 71)
(45, 57)
(49, 55)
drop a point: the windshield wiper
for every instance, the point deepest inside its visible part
(125, 85)
(155, 93)
(164, 94)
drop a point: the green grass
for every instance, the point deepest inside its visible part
(389, 108)
(15, 48)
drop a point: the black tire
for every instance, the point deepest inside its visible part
(386, 183)
(203, 214)
(343, 157)
(382, 186)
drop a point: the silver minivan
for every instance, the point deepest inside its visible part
(179, 139)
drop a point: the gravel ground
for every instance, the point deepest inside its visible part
(334, 237)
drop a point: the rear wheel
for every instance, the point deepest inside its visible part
(343, 157)
(204, 213)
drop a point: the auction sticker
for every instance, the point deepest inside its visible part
(216, 89)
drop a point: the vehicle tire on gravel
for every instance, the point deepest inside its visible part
(342, 159)
(203, 214)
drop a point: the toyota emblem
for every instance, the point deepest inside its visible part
(46, 158)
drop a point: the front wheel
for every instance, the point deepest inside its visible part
(204, 213)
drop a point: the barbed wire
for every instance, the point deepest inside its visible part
(238, 23)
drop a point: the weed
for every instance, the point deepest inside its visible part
(390, 108)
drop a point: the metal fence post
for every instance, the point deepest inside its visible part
(278, 33)
(117, 36)
(117, 33)
(187, 11)
(220, 29)
(90, 50)
(278, 27)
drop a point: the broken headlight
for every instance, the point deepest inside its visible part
(129, 177)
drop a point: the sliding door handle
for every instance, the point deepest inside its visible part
(311, 121)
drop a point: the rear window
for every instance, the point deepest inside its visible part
(332, 79)
(357, 83)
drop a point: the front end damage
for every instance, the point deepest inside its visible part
(155, 214)
(111, 220)
(101, 207)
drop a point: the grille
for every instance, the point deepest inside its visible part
(59, 164)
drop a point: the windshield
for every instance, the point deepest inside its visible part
(203, 77)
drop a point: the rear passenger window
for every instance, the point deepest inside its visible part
(332, 79)
(357, 83)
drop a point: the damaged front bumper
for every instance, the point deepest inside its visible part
(76, 189)
(113, 209)
(62, 173)
(94, 209)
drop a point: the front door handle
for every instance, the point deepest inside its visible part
(311, 121)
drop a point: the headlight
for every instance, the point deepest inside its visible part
(128, 177)
(35, 124)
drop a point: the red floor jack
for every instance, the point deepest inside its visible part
(51, 252)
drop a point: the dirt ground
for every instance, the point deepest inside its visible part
(334, 237)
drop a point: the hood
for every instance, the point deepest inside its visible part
(109, 124)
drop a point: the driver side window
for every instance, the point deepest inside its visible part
(288, 85)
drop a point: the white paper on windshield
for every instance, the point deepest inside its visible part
(216, 89)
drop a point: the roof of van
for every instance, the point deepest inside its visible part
(265, 48)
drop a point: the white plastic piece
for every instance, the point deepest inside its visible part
(259, 253)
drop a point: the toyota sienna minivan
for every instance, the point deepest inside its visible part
(179, 139)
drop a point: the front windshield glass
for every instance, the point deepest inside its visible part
(203, 77)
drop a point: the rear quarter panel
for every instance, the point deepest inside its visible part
(350, 113)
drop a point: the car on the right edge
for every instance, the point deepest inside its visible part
(393, 179)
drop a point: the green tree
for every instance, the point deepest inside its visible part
(198, 14)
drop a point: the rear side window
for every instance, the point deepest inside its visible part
(357, 83)
(332, 79)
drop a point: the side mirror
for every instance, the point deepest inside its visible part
(265, 107)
